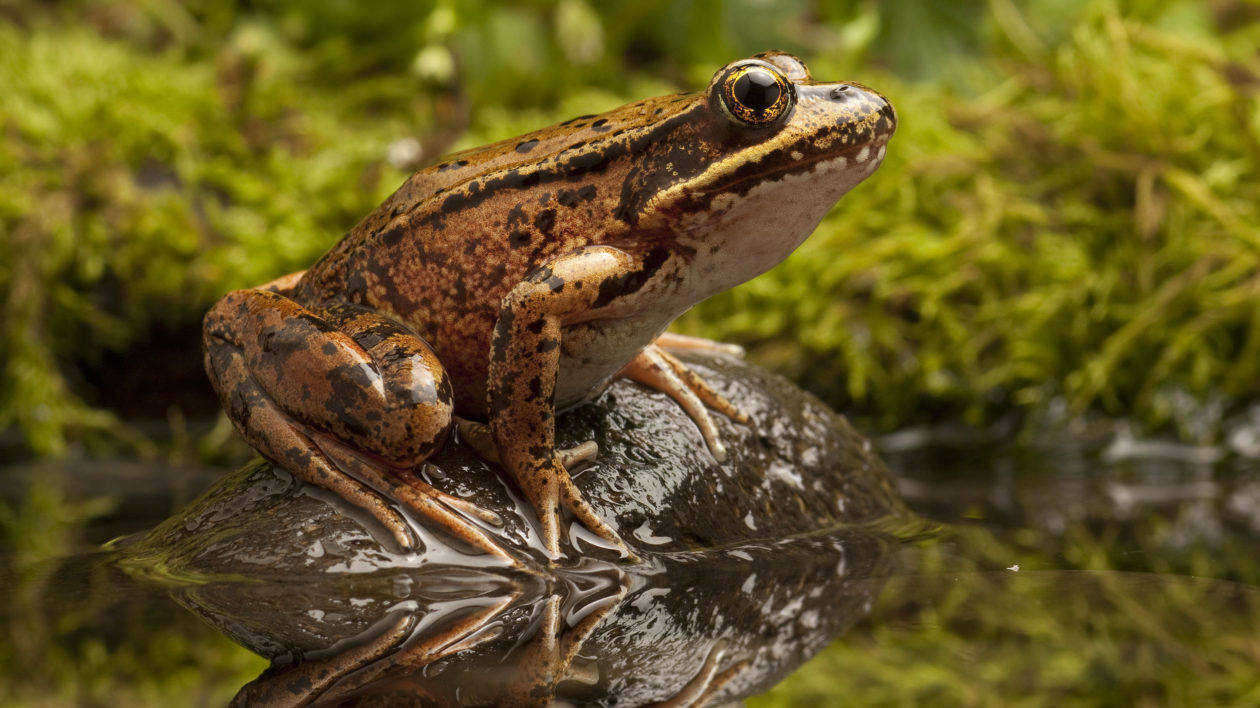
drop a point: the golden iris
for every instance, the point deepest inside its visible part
(756, 94)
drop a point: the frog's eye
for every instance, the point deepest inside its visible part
(754, 94)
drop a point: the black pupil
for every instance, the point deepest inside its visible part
(756, 89)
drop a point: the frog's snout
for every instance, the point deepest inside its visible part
(863, 106)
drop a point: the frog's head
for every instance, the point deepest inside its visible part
(766, 153)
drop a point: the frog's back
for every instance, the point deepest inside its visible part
(492, 213)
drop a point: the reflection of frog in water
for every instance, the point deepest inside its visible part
(519, 278)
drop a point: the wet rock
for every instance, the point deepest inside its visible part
(747, 567)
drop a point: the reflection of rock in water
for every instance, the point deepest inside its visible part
(749, 568)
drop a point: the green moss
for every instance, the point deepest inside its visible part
(135, 191)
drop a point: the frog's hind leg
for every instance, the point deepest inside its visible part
(281, 439)
(658, 369)
(288, 375)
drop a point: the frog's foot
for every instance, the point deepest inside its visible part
(477, 436)
(683, 342)
(548, 657)
(559, 488)
(420, 497)
(658, 369)
(289, 444)
(326, 680)
(550, 488)
(571, 498)
(708, 681)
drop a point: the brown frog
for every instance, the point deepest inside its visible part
(517, 279)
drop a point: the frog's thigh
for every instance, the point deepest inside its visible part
(357, 375)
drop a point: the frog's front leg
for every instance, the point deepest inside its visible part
(524, 362)
(304, 386)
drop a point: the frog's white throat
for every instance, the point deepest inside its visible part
(742, 236)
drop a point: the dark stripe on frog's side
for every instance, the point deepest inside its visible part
(571, 164)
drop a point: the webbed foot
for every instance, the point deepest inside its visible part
(658, 369)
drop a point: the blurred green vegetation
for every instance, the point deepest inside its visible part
(1068, 215)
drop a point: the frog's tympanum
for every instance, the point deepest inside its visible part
(519, 278)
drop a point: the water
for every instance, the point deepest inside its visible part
(1088, 571)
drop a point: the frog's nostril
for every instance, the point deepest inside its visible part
(838, 92)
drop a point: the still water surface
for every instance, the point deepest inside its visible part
(1100, 570)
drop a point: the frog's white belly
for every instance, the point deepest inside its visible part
(591, 353)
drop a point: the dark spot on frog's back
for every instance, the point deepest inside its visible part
(393, 235)
(526, 146)
(455, 202)
(545, 220)
(519, 239)
(516, 216)
(571, 198)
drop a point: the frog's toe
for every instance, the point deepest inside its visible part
(683, 342)
(477, 436)
(578, 454)
(571, 498)
(655, 368)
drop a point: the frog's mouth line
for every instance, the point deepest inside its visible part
(860, 161)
